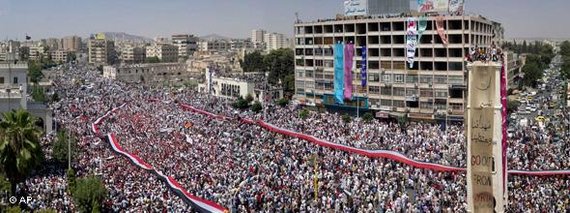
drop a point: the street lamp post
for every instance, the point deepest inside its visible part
(265, 90)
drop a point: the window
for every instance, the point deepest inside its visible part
(386, 91)
(398, 78)
(386, 102)
(387, 78)
(15, 80)
(1, 80)
(374, 89)
(374, 77)
(426, 105)
(399, 103)
(426, 79)
(441, 93)
(399, 92)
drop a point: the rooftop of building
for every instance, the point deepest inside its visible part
(397, 16)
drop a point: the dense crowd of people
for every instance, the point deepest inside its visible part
(244, 167)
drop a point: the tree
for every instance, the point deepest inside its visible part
(249, 98)
(512, 106)
(71, 56)
(532, 73)
(303, 114)
(89, 194)
(524, 47)
(61, 145)
(153, 59)
(403, 121)
(346, 118)
(240, 103)
(252, 62)
(35, 71)
(280, 64)
(256, 107)
(20, 150)
(367, 117)
(283, 102)
(38, 94)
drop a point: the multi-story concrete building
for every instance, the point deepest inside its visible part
(72, 43)
(216, 45)
(147, 73)
(274, 41)
(59, 56)
(257, 37)
(131, 54)
(54, 43)
(378, 7)
(187, 44)
(10, 48)
(434, 85)
(37, 51)
(164, 52)
(101, 51)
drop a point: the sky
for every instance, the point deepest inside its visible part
(236, 18)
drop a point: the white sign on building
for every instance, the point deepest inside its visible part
(355, 7)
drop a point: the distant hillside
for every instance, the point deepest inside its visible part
(121, 36)
(213, 37)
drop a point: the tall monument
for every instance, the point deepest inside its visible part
(486, 191)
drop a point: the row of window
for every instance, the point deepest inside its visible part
(14, 80)
(363, 28)
(387, 78)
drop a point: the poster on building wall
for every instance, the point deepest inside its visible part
(411, 41)
(355, 7)
(427, 6)
(456, 7)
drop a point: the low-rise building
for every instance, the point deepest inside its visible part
(146, 73)
(242, 86)
(13, 93)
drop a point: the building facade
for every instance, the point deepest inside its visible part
(72, 43)
(146, 73)
(101, 51)
(130, 54)
(58, 56)
(433, 88)
(274, 41)
(187, 44)
(257, 37)
(164, 52)
(378, 7)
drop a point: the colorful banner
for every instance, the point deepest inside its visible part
(440, 30)
(456, 7)
(433, 6)
(411, 41)
(338, 73)
(422, 26)
(504, 116)
(363, 74)
(348, 59)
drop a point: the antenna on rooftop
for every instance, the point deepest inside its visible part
(297, 16)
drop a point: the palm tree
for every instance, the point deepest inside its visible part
(20, 150)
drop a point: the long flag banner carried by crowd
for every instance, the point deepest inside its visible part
(370, 153)
(363, 67)
(338, 73)
(348, 59)
(411, 41)
(197, 203)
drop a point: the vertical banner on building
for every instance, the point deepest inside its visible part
(363, 74)
(348, 59)
(480, 137)
(484, 119)
(456, 7)
(504, 125)
(439, 23)
(422, 26)
(338, 73)
(411, 41)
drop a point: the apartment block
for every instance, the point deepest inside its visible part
(186, 44)
(101, 51)
(274, 41)
(434, 87)
(72, 43)
(164, 52)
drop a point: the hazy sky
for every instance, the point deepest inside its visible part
(236, 18)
